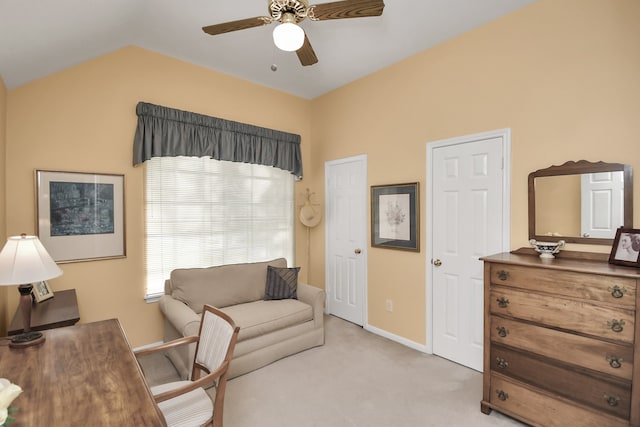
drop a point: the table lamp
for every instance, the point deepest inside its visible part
(24, 261)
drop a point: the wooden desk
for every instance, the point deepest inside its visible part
(56, 312)
(83, 375)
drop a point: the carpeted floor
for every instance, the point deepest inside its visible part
(357, 379)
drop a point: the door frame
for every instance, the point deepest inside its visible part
(365, 285)
(505, 134)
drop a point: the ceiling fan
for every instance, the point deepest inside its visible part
(288, 35)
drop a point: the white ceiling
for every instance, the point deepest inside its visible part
(39, 37)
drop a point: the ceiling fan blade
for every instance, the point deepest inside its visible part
(347, 9)
(242, 24)
(306, 54)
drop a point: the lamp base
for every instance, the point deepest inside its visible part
(27, 339)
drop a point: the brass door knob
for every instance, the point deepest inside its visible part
(357, 251)
(437, 262)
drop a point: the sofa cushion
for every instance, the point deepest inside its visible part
(282, 283)
(223, 285)
(261, 317)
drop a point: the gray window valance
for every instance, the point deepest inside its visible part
(167, 132)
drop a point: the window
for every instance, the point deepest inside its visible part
(202, 212)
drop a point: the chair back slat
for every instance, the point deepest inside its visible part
(215, 337)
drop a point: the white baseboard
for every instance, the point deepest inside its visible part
(401, 340)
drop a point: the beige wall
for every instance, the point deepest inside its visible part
(558, 205)
(563, 75)
(83, 119)
(3, 202)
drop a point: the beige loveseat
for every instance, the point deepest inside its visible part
(269, 330)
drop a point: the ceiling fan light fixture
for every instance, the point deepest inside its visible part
(288, 36)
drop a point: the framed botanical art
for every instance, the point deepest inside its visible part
(626, 247)
(41, 291)
(80, 216)
(395, 216)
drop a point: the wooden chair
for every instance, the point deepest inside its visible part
(186, 403)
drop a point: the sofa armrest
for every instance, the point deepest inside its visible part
(315, 297)
(181, 317)
(179, 321)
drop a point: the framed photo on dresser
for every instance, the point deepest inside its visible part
(626, 247)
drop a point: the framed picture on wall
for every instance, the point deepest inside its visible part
(80, 216)
(41, 291)
(626, 247)
(395, 216)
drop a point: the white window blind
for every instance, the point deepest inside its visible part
(202, 212)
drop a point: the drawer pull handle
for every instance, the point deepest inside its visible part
(502, 331)
(502, 302)
(612, 400)
(616, 325)
(502, 395)
(615, 362)
(502, 364)
(502, 275)
(617, 291)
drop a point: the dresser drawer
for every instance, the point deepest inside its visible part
(574, 315)
(590, 353)
(610, 289)
(610, 396)
(547, 410)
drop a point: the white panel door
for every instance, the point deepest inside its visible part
(467, 198)
(346, 219)
(602, 200)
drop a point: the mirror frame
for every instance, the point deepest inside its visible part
(576, 168)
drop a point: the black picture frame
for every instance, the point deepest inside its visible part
(395, 216)
(626, 247)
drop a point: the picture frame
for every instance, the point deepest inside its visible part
(41, 291)
(626, 247)
(395, 216)
(80, 215)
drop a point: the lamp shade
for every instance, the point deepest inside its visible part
(24, 260)
(288, 37)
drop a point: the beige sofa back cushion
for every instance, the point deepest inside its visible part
(223, 285)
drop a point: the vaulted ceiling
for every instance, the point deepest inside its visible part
(39, 37)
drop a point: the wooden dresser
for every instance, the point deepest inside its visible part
(560, 340)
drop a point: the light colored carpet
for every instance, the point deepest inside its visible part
(357, 379)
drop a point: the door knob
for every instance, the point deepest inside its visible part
(437, 262)
(357, 251)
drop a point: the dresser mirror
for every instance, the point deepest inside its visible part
(580, 202)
